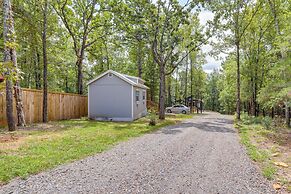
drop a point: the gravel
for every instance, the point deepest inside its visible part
(200, 155)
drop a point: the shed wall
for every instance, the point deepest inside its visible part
(110, 98)
(140, 107)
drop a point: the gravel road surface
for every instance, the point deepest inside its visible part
(200, 155)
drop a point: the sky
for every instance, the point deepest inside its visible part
(211, 63)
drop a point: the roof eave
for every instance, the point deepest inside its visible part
(116, 74)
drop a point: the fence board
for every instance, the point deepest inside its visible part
(60, 106)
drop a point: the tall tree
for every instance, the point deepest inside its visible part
(80, 19)
(167, 17)
(186, 81)
(11, 58)
(211, 101)
(236, 16)
(44, 52)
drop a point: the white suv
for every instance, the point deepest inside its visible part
(178, 109)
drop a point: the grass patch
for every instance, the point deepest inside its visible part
(268, 144)
(253, 151)
(250, 135)
(27, 152)
(269, 171)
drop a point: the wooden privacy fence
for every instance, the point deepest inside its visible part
(61, 106)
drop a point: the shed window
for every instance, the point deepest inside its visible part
(137, 95)
(143, 95)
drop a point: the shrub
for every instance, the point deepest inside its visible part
(246, 119)
(256, 120)
(266, 122)
(152, 121)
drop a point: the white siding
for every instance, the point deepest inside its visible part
(139, 108)
(110, 98)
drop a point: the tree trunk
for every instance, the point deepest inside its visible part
(197, 109)
(153, 82)
(19, 105)
(237, 44)
(107, 56)
(252, 103)
(191, 86)
(11, 57)
(66, 84)
(9, 105)
(186, 81)
(287, 114)
(176, 85)
(17, 88)
(213, 104)
(274, 12)
(258, 109)
(238, 83)
(18, 94)
(45, 95)
(162, 92)
(80, 74)
(169, 92)
(139, 59)
(7, 59)
(37, 70)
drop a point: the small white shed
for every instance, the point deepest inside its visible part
(116, 97)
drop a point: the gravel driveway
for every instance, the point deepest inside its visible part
(201, 155)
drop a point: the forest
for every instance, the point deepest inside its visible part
(59, 45)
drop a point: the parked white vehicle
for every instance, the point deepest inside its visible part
(178, 109)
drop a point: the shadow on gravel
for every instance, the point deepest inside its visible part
(217, 125)
(224, 121)
(204, 126)
(213, 127)
(173, 129)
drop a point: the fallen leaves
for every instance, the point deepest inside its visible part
(276, 186)
(275, 154)
(282, 164)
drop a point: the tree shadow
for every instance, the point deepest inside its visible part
(215, 126)
(224, 121)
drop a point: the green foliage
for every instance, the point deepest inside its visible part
(267, 122)
(122, 34)
(249, 134)
(212, 92)
(9, 71)
(265, 69)
(277, 88)
(227, 86)
(152, 119)
(255, 153)
(269, 171)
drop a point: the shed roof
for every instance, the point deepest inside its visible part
(138, 78)
(121, 76)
